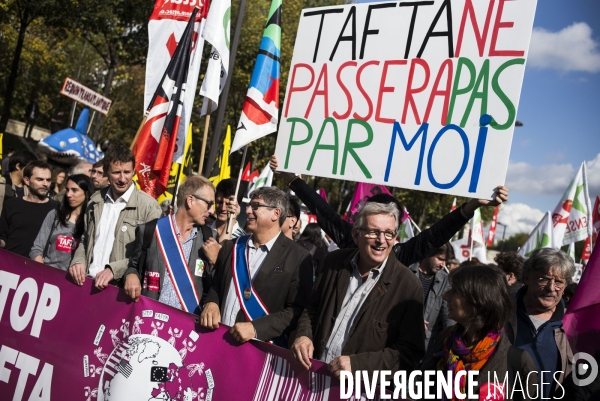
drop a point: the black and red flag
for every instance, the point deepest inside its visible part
(157, 140)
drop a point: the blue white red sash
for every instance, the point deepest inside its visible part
(176, 264)
(250, 302)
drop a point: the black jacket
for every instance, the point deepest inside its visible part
(283, 283)
(413, 250)
(388, 331)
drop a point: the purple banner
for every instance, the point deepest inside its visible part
(64, 342)
(363, 192)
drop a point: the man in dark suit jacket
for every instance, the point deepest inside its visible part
(367, 310)
(195, 201)
(277, 275)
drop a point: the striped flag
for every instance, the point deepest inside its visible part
(159, 142)
(260, 113)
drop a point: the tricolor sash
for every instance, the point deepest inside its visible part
(250, 302)
(176, 264)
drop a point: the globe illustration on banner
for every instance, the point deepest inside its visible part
(139, 370)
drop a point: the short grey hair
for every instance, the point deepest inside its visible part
(80, 168)
(377, 208)
(545, 259)
(273, 197)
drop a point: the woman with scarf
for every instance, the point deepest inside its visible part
(479, 302)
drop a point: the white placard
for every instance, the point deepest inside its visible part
(394, 93)
(86, 96)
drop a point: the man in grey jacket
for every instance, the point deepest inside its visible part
(433, 275)
(111, 218)
(195, 200)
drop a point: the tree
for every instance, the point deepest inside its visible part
(118, 31)
(24, 12)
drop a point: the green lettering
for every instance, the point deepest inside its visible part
(462, 62)
(291, 143)
(333, 147)
(484, 75)
(510, 107)
(349, 147)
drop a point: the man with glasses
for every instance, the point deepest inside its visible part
(366, 312)
(111, 218)
(98, 177)
(263, 281)
(179, 251)
(536, 324)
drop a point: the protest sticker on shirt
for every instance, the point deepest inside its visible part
(419, 95)
(65, 243)
(199, 267)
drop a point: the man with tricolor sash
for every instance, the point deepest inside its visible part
(262, 282)
(168, 259)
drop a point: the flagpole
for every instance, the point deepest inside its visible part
(471, 253)
(237, 189)
(205, 136)
(174, 200)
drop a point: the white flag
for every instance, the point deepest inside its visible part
(265, 179)
(572, 214)
(216, 32)
(405, 232)
(540, 237)
(462, 251)
(164, 32)
(477, 229)
(571, 251)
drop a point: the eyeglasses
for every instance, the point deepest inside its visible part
(208, 203)
(372, 234)
(544, 281)
(256, 205)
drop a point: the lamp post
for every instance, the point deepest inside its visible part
(503, 232)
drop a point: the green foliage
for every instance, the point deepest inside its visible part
(512, 243)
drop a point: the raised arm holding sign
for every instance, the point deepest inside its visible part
(414, 95)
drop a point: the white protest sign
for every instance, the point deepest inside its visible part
(86, 96)
(400, 93)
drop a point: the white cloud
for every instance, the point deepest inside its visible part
(550, 179)
(519, 218)
(570, 49)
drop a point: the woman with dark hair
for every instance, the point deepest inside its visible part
(311, 240)
(480, 304)
(59, 182)
(63, 227)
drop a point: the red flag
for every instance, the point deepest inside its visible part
(246, 173)
(157, 140)
(453, 208)
(254, 176)
(587, 251)
(492, 231)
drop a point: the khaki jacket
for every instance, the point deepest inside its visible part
(140, 209)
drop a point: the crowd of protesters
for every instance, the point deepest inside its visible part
(373, 303)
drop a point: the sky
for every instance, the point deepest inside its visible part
(559, 108)
(559, 103)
